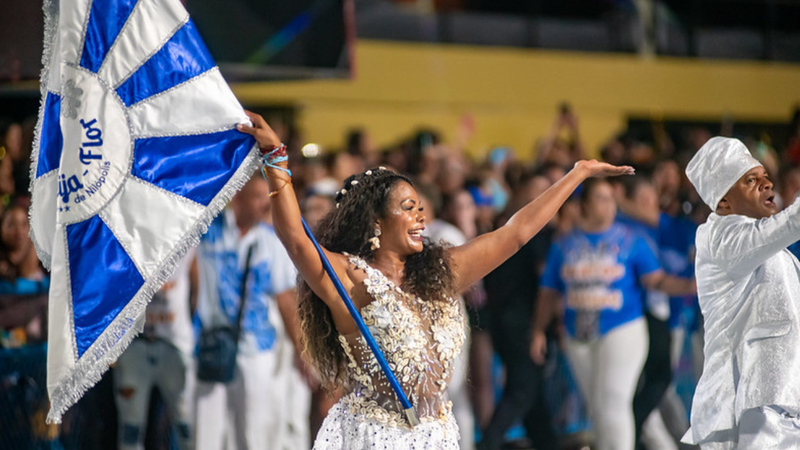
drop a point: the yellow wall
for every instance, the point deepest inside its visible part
(513, 93)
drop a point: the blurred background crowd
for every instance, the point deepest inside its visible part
(503, 396)
(482, 130)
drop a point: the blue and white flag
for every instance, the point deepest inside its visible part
(136, 151)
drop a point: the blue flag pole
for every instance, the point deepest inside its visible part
(408, 408)
(411, 413)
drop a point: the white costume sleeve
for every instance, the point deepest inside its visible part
(743, 244)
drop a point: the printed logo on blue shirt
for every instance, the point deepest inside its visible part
(255, 318)
(589, 271)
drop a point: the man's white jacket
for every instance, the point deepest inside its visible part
(748, 286)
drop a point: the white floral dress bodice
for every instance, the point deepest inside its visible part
(420, 340)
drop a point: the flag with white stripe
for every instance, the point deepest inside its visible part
(136, 151)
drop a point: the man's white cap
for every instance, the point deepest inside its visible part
(717, 166)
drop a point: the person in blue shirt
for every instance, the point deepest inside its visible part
(597, 275)
(673, 240)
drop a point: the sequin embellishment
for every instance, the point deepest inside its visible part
(420, 341)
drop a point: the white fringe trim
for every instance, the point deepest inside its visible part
(51, 13)
(115, 339)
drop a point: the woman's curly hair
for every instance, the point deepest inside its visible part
(348, 228)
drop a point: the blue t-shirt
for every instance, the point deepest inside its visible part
(676, 242)
(599, 272)
(673, 243)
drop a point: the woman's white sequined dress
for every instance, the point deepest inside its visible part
(420, 341)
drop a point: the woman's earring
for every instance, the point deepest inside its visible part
(375, 241)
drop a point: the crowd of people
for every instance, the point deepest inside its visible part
(608, 284)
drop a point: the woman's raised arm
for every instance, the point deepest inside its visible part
(476, 258)
(288, 225)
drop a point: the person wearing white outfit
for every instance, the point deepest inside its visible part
(160, 358)
(291, 381)
(749, 292)
(246, 413)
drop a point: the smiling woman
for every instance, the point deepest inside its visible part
(404, 287)
(377, 205)
(404, 223)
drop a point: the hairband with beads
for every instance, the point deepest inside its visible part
(355, 182)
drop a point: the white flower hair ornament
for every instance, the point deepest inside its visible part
(354, 183)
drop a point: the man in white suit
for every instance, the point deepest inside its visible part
(748, 285)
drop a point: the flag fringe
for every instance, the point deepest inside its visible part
(91, 366)
(50, 9)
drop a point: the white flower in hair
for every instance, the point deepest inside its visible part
(369, 172)
(343, 191)
(354, 182)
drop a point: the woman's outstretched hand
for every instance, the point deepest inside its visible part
(267, 139)
(594, 168)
